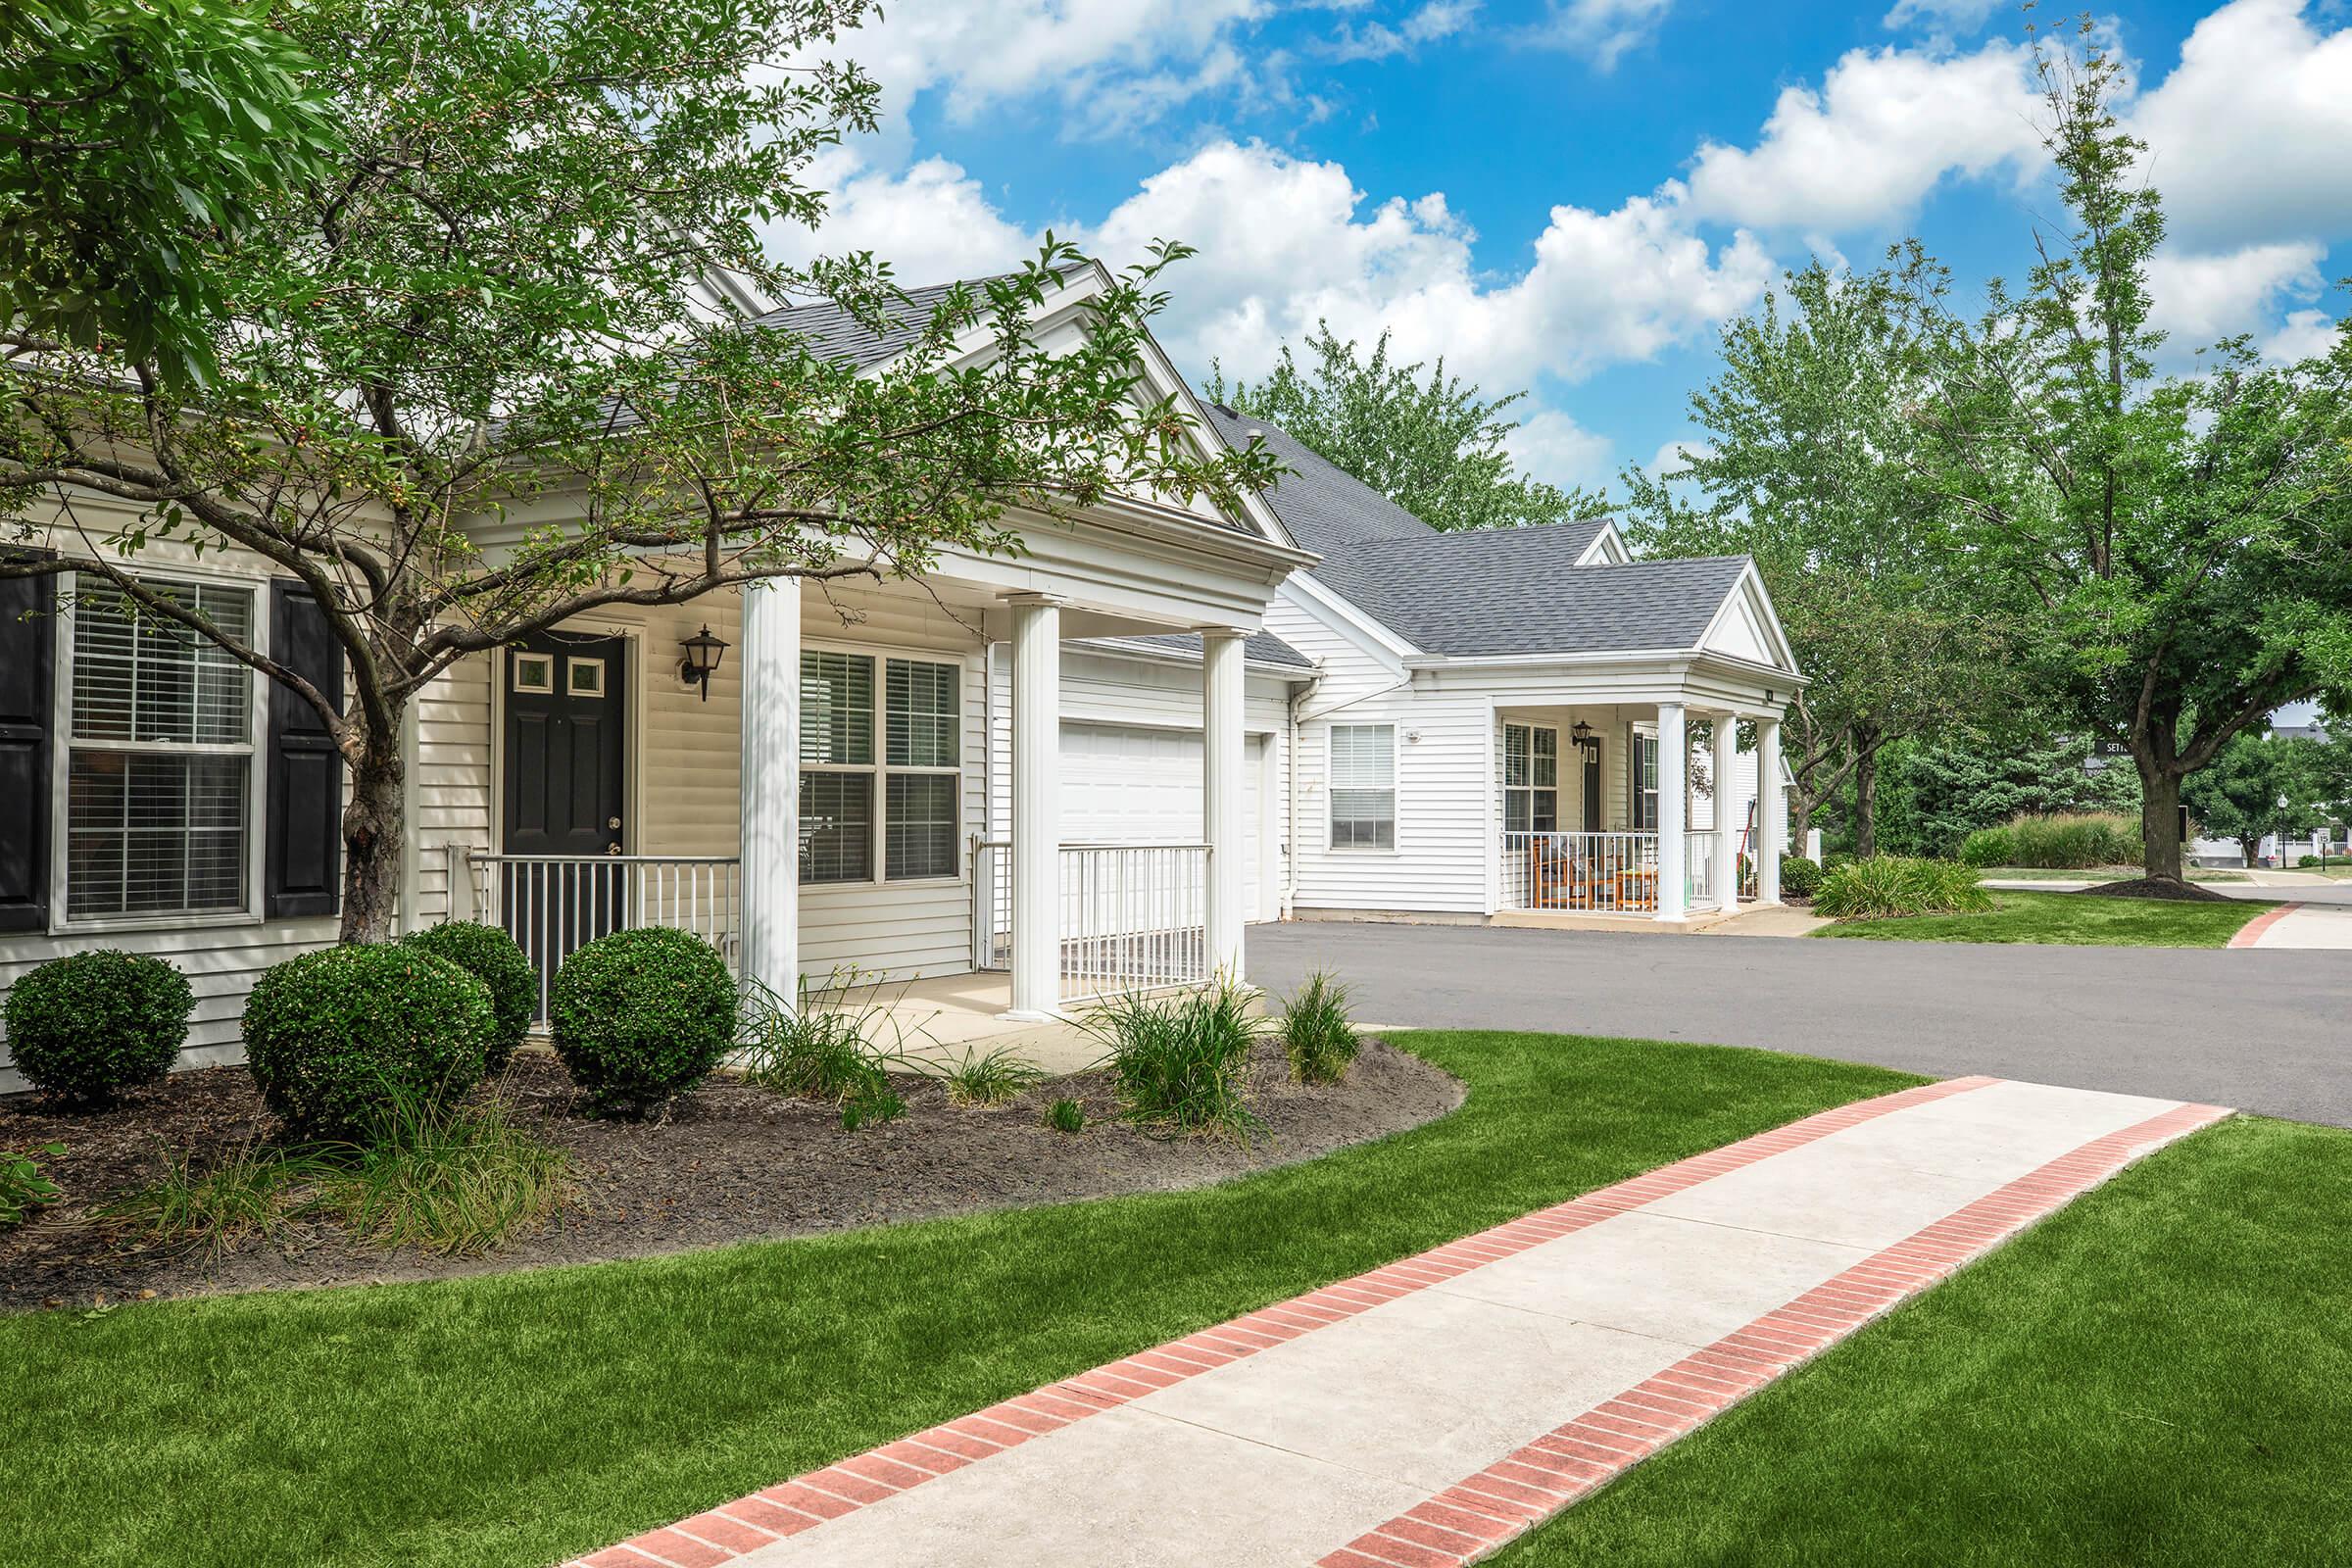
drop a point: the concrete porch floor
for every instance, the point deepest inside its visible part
(944, 1017)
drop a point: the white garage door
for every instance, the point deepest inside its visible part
(1124, 783)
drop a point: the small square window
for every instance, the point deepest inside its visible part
(535, 673)
(584, 677)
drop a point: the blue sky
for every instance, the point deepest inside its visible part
(1572, 196)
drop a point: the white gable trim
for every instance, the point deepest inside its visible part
(1607, 549)
(1345, 617)
(1746, 624)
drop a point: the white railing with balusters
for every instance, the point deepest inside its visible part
(1587, 873)
(553, 903)
(1699, 870)
(1132, 917)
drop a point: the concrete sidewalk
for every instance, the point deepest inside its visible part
(2307, 926)
(1419, 1415)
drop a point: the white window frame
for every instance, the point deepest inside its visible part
(572, 666)
(519, 659)
(1644, 751)
(1331, 791)
(880, 768)
(1531, 788)
(65, 743)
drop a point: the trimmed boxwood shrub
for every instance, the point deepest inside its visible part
(1800, 878)
(90, 1025)
(1990, 846)
(641, 1015)
(497, 961)
(344, 1040)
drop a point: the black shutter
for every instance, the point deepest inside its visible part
(306, 771)
(28, 691)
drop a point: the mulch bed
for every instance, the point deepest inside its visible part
(2155, 887)
(728, 1163)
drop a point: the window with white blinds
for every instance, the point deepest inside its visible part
(1364, 786)
(161, 756)
(910, 799)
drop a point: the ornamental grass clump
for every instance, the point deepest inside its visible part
(640, 1016)
(1316, 1033)
(1182, 1063)
(1884, 887)
(2064, 840)
(990, 1077)
(85, 1027)
(826, 1045)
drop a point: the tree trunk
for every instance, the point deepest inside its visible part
(2159, 817)
(1866, 802)
(2251, 849)
(371, 844)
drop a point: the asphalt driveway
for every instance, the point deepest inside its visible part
(2259, 1030)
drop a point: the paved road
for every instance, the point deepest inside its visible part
(2261, 1030)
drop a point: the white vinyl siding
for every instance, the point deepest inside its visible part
(1364, 786)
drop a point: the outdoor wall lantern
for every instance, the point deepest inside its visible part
(1582, 733)
(702, 653)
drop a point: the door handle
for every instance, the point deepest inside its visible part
(614, 823)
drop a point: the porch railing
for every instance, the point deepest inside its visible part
(1586, 874)
(553, 903)
(1699, 870)
(1132, 917)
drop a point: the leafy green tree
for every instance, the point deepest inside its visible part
(2185, 543)
(1809, 466)
(1940, 791)
(138, 140)
(1433, 443)
(2261, 784)
(507, 303)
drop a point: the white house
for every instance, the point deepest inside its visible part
(1086, 764)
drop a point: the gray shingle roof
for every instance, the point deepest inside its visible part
(833, 333)
(1261, 647)
(1484, 591)
(1497, 591)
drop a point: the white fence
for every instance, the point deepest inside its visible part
(1131, 917)
(553, 903)
(1584, 873)
(1699, 870)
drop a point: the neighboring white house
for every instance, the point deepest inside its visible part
(1019, 762)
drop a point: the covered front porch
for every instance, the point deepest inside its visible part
(1635, 811)
(867, 782)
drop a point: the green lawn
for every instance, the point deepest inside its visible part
(2070, 920)
(2096, 874)
(515, 1420)
(2161, 1374)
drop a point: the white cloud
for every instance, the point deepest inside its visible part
(1942, 17)
(1377, 40)
(1552, 446)
(2199, 298)
(1882, 130)
(1672, 454)
(931, 222)
(2303, 335)
(1603, 287)
(1602, 31)
(2250, 137)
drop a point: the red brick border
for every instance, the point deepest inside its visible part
(804, 1502)
(2253, 929)
(1474, 1516)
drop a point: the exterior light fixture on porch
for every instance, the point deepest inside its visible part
(1582, 733)
(702, 653)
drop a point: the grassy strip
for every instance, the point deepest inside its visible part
(2161, 1374)
(2069, 919)
(515, 1419)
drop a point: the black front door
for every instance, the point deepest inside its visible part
(566, 712)
(1591, 789)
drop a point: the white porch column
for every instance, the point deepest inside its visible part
(1771, 805)
(1221, 751)
(1724, 875)
(1674, 768)
(1036, 805)
(770, 719)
